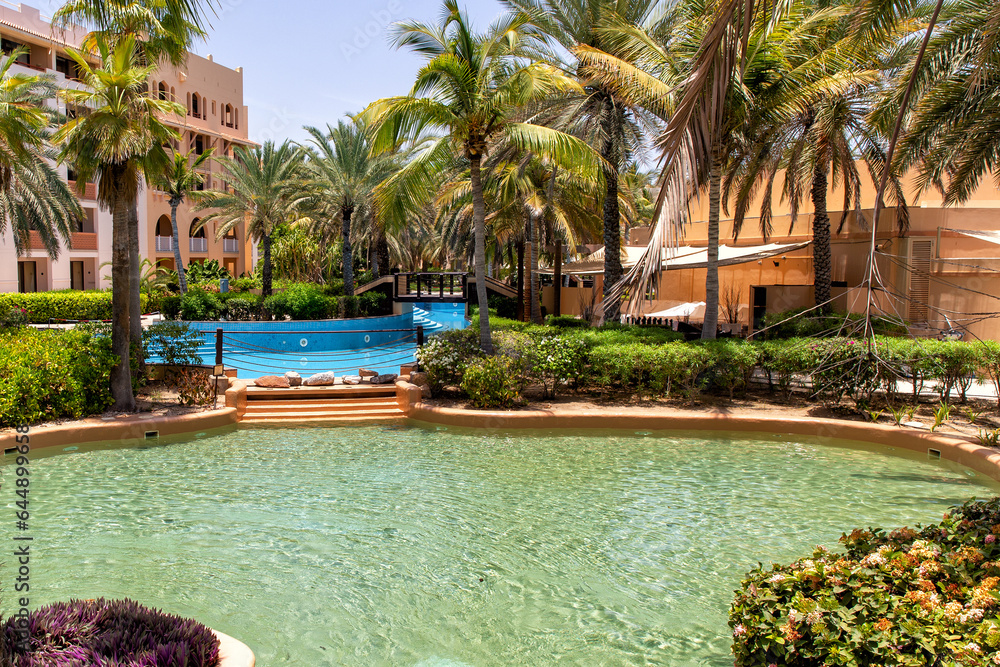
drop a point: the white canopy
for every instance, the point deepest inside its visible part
(683, 310)
(682, 257)
(982, 234)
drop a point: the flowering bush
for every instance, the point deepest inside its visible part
(490, 383)
(909, 597)
(445, 356)
(14, 318)
(105, 632)
(558, 361)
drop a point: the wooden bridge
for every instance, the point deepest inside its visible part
(443, 287)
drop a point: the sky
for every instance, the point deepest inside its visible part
(310, 62)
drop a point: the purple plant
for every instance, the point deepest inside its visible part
(107, 633)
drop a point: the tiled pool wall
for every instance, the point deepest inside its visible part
(305, 336)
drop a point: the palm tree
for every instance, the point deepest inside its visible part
(113, 142)
(813, 125)
(470, 89)
(180, 179)
(32, 195)
(264, 190)
(610, 121)
(954, 130)
(342, 166)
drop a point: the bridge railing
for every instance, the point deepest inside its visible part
(420, 286)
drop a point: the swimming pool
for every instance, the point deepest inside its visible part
(381, 344)
(421, 546)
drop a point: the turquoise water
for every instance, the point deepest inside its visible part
(411, 546)
(256, 349)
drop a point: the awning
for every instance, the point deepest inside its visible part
(682, 257)
(982, 235)
(683, 310)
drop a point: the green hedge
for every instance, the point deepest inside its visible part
(47, 375)
(909, 597)
(649, 362)
(63, 305)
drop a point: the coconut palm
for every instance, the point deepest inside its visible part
(178, 181)
(813, 126)
(954, 130)
(114, 142)
(264, 190)
(345, 172)
(32, 195)
(610, 121)
(470, 90)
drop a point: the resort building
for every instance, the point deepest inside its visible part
(216, 118)
(942, 274)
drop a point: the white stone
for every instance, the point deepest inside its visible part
(321, 379)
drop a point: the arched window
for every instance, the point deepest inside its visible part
(198, 241)
(196, 105)
(163, 226)
(229, 115)
(200, 233)
(162, 92)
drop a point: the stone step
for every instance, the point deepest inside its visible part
(337, 392)
(353, 415)
(322, 405)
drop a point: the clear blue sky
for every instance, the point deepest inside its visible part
(309, 62)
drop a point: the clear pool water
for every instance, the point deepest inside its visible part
(411, 546)
(256, 349)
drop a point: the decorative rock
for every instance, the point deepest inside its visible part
(365, 373)
(352, 379)
(294, 379)
(419, 379)
(389, 378)
(321, 379)
(425, 391)
(272, 382)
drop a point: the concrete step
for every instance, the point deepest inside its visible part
(322, 405)
(298, 416)
(305, 393)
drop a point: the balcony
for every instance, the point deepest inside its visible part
(165, 243)
(199, 245)
(230, 246)
(83, 241)
(89, 193)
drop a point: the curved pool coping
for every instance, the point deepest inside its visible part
(233, 652)
(962, 450)
(122, 429)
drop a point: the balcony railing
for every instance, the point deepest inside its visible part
(199, 245)
(83, 241)
(164, 244)
(230, 245)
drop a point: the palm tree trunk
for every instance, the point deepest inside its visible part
(520, 281)
(135, 290)
(382, 259)
(121, 374)
(536, 300)
(176, 243)
(711, 323)
(479, 227)
(822, 258)
(348, 255)
(612, 233)
(266, 283)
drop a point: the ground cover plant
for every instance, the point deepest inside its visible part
(110, 633)
(924, 596)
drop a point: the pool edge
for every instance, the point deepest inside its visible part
(962, 450)
(233, 652)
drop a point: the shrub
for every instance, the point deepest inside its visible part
(732, 364)
(200, 306)
(13, 318)
(567, 322)
(246, 283)
(521, 352)
(206, 272)
(490, 383)
(374, 303)
(503, 306)
(170, 307)
(63, 305)
(651, 370)
(173, 342)
(809, 323)
(105, 632)
(48, 375)
(908, 597)
(782, 360)
(445, 356)
(301, 301)
(558, 361)
(194, 386)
